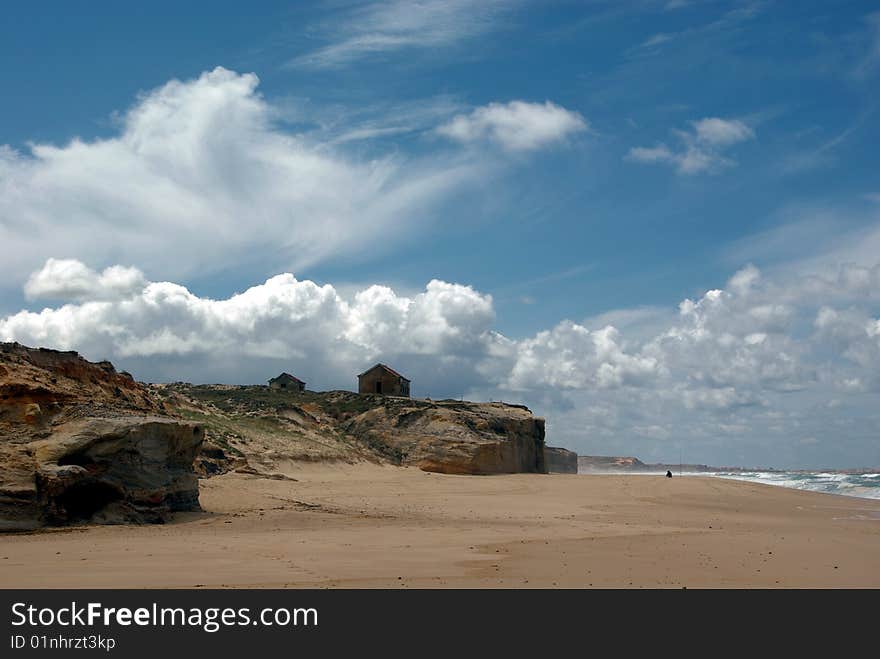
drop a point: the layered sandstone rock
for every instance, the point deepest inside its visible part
(80, 442)
(455, 437)
(561, 460)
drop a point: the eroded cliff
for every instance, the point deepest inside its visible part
(455, 437)
(561, 460)
(80, 442)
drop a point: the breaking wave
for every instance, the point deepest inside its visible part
(865, 486)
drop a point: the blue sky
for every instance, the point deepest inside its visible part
(591, 163)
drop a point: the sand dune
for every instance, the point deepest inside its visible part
(373, 526)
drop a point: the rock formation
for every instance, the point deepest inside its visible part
(455, 437)
(80, 442)
(561, 460)
(273, 430)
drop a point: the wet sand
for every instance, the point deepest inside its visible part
(369, 526)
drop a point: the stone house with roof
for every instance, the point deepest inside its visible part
(288, 382)
(382, 379)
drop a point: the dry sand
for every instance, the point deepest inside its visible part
(368, 526)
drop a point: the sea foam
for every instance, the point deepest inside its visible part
(865, 486)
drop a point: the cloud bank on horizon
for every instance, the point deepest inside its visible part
(771, 361)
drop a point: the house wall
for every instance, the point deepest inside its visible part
(287, 386)
(391, 384)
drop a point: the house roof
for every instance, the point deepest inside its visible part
(387, 368)
(287, 376)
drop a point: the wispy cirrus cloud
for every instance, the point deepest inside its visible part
(824, 154)
(387, 119)
(729, 20)
(870, 60)
(657, 39)
(702, 148)
(377, 28)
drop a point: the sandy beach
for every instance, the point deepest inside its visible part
(369, 526)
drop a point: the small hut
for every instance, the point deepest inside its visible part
(287, 382)
(382, 379)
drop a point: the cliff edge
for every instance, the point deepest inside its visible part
(561, 460)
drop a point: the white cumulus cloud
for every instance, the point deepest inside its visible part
(516, 126)
(69, 279)
(701, 147)
(721, 132)
(282, 320)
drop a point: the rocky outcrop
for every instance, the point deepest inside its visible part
(588, 463)
(273, 430)
(454, 437)
(602, 463)
(112, 471)
(80, 442)
(40, 388)
(561, 460)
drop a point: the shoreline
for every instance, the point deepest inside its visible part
(378, 526)
(744, 479)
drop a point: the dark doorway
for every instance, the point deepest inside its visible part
(378, 387)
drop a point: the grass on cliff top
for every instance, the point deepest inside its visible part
(249, 397)
(340, 405)
(244, 418)
(258, 398)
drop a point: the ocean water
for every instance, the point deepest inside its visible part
(865, 486)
